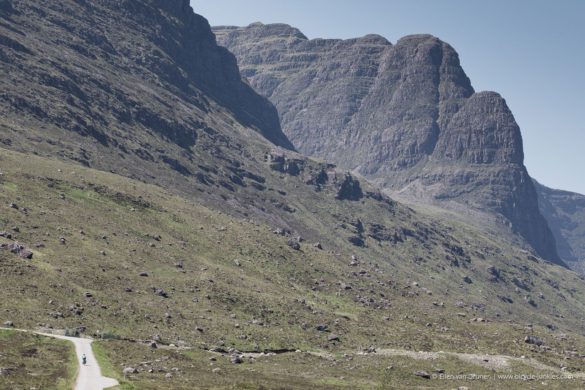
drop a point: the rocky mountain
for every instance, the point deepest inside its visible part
(565, 213)
(149, 199)
(404, 115)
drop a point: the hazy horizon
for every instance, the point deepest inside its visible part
(528, 51)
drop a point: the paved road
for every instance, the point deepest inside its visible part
(89, 376)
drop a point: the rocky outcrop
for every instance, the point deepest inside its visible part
(565, 213)
(403, 115)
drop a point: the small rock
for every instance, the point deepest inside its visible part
(153, 345)
(216, 370)
(87, 294)
(128, 371)
(169, 376)
(8, 324)
(13, 206)
(143, 274)
(333, 337)
(318, 245)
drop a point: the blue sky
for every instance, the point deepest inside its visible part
(530, 51)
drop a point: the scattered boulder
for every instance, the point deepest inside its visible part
(6, 235)
(8, 324)
(236, 359)
(17, 249)
(467, 280)
(143, 274)
(153, 345)
(76, 309)
(294, 244)
(13, 206)
(322, 328)
(533, 340)
(87, 294)
(281, 231)
(333, 337)
(423, 374)
(318, 245)
(129, 371)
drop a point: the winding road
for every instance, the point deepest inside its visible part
(89, 376)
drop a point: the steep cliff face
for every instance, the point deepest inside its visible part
(565, 213)
(115, 71)
(399, 114)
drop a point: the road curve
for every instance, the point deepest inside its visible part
(89, 376)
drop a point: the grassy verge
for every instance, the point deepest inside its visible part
(106, 366)
(31, 361)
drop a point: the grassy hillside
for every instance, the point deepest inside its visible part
(133, 262)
